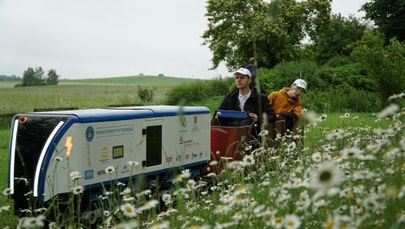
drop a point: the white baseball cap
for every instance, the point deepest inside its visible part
(243, 71)
(301, 83)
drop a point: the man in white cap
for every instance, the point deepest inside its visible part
(244, 99)
(287, 102)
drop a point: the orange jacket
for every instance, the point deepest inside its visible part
(281, 102)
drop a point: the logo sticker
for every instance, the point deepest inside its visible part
(118, 151)
(88, 174)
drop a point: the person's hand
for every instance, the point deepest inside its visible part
(253, 116)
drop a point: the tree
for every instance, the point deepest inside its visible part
(388, 15)
(271, 32)
(335, 39)
(35, 77)
(52, 78)
(28, 77)
(39, 76)
(384, 63)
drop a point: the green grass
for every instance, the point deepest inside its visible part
(89, 93)
(8, 84)
(132, 80)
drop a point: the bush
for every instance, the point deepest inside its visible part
(283, 75)
(342, 98)
(196, 91)
(145, 94)
(351, 74)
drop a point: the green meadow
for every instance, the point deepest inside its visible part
(349, 172)
(87, 93)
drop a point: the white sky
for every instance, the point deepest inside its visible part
(105, 38)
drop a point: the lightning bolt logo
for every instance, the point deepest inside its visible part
(68, 145)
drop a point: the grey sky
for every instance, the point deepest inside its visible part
(104, 38)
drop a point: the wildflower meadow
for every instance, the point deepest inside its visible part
(351, 176)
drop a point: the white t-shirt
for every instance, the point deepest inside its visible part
(242, 99)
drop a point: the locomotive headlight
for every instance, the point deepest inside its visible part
(68, 145)
(22, 119)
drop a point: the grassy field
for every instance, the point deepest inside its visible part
(88, 93)
(277, 192)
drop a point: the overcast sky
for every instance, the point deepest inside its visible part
(104, 38)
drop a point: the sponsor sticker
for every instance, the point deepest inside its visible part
(118, 151)
(88, 174)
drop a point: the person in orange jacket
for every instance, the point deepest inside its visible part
(287, 102)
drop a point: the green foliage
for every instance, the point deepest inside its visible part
(334, 40)
(271, 32)
(284, 74)
(351, 75)
(52, 78)
(35, 77)
(145, 94)
(341, 88)
(388, 15)
(383, 63)
(336, 61)
(197, 91)
(342, 98)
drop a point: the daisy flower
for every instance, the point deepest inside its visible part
(128, 210)
(310, 116)
(33, 222)
(134, 164)
(191, 206)
(325, 177)
(160, 225)
(148, 205)
(267, 217)
(248, 160)
(167, 198)
(388, 111)
(127, 225)
(291, 222)
(77, 190)
(110, 169)
(4, 208)
(349, 153)
(7, 191)
(277, 221)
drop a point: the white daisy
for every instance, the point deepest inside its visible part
(110, 169)
(388, 111)
(249, 160)
(167, 198)
(148, 205)
(291, 222)
(128, 210)
(7, 191)
(325, 177)
(77, 190)
(33, 222)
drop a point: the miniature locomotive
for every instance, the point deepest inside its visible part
(45, 147)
